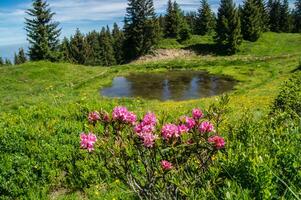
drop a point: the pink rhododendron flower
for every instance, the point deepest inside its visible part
(88, 141)
(182, 129)
(149, 139)
(141, 129)
(166, 165)
(169, 131)
(206, 127)
(122, 114)
(93, 117)
(150, 119)
(219, 142)
(197, 114)
(190, 123)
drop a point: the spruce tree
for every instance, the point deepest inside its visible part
(16, 59)
(106, 48)
(1, 61)
(284, 17)
(264, 16)
(65, 50)
(141, 28)
(20, 58)
(118, 40)
(78, 48)
(274, 7)
(94, 58)
(297, 17)
(191, 18)
(205, 19)
(185, 31)
(228, 30)
(173, 20)
(7, 62)
(251, 20)
(42, 32)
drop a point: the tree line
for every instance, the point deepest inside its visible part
(143, 29)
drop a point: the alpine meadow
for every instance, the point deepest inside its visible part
(180, 100)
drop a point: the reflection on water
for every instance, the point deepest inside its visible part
(171, 85)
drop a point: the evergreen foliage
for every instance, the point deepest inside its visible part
(205, 19)
(78, 48)
(7, 62)
(274, 7)
(191, 19)
(20, 58)
(1, 61)
(141, 28)
(118, 40)
(228, 30)
(297, 17)
(185, 32)
(284, 17)
(173, 20)
(65, 50)
(107, 54)
(251, 20)
(42, 32)
(93, 45)
(264, 16)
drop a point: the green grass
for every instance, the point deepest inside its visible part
(43, 108)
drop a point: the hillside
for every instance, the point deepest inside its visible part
(43, 109)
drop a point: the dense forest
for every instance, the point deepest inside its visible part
(143, 29)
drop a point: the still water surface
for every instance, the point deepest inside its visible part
(171, 85)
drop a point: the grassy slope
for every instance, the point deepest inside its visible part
(259, 76)
(260, 68)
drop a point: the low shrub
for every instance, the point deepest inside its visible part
(289, 98)
(157, 159)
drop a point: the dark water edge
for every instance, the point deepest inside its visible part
(170, 85)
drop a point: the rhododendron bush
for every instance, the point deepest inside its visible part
(157, 159)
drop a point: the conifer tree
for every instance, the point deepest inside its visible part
(1, 61)
(297, 17)
(42, 32)
(264, 16)
(65, 50)
(141, 28)
(205, 19)
(7, 62)
(94, 57)
(20, 58)
(274, 7)
(106, 48)
(185, 32)
(118, 40)
(284, 17)
(191, 18)
(16, 59)
(78, 48)
(173, 20)
(228, 30)
(251, 21)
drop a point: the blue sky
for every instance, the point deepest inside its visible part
(83, 14)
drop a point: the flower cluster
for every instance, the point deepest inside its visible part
(93, 117)
(219, 142)
(123, 115)
(166, 165)
(206, 127)
(146, 128)
(88, 141)
(169, 131)
(197, 114)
